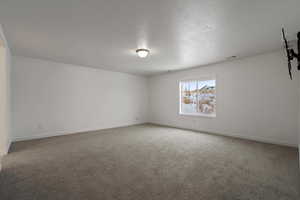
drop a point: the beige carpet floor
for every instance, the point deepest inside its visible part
(148, 162)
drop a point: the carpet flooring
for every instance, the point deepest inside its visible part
(146, 162)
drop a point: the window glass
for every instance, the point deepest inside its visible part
(198, 97)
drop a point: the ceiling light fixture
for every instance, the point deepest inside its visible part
(142, 53)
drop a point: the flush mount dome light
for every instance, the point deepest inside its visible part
(142, 53)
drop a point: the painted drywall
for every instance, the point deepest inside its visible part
(299, 125)
(255, 100)
(4, 95)
(50, 98)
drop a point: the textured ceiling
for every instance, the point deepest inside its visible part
(180, 34)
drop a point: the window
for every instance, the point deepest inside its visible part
(198, 97)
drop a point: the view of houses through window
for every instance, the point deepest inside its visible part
(198, 97)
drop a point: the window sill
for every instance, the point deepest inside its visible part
(197, 115)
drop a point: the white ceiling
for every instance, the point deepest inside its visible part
(179, 33)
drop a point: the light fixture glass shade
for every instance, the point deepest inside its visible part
(142, 53)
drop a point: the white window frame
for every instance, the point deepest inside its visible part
(198, 78)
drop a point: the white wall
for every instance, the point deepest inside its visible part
(255, 100)
(51, 98)
(299, 127)
(4, 95)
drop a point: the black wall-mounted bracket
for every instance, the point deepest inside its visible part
(290, 53)
(293, 54)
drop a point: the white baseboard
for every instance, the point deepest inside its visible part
(8, 146)
(69, 132)
(4, 153)
(65, 132)
(256, 139)
(0, 163)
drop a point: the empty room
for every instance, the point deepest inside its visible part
(152, 100)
